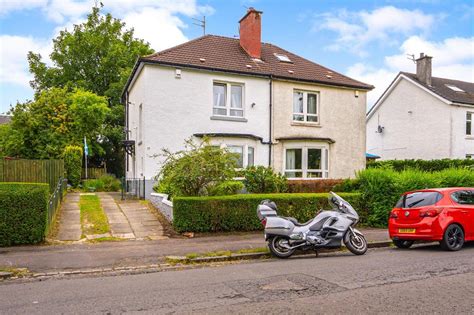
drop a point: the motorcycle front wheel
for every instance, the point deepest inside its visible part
(280, 247)
(355, 242)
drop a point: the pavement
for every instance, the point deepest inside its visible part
(421, 280)
(128, 219)
(55, 258)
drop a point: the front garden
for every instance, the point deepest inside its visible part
(206, 198)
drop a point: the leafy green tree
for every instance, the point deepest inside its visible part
(196, 170)
(97, 55)
(43, 128)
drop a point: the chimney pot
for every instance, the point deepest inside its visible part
(251, 33)
(423, 68)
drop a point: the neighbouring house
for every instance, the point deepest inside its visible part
(422, 117)
(265, 103)
(5, 119)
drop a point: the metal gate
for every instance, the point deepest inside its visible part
(133, 188)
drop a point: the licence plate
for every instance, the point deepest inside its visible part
(407, 231)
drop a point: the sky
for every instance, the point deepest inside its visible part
(366, 40)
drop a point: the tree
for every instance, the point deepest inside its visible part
(97, 55)
(56, 118)
(195, 170)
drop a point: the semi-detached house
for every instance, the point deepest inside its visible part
(270, 106)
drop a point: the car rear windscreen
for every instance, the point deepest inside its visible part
(419, 199)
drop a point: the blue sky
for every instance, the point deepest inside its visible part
(367, 40)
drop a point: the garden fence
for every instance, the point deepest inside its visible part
(32, 171)
(94, 172)
(55, 200)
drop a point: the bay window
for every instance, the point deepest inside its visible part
(228, 100)
(306, 162)
(305, 106)
(245, 154)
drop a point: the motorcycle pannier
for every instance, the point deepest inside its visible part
(264, 211)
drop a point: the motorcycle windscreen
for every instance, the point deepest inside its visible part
(346, 207)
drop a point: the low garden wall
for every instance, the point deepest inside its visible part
(23, 213)
(165, 206)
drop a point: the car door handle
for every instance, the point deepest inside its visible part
(464, 211)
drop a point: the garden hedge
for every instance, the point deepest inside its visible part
(423, 165)
(239, 212)
(23, 213)
(313, 185)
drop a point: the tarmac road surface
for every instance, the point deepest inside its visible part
(417, 281)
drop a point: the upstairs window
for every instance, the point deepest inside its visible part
(469, 128)
(305, 106)
(283, 58)
(454, 88)
(228, 100)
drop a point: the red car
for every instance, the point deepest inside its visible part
(445, 215)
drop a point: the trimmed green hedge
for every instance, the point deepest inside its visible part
(239, 212)
(23, 213)
(422, 165)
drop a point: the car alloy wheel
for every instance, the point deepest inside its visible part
(453, 238)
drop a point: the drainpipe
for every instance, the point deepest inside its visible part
(270, 123)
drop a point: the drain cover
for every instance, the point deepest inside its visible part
(283, 287)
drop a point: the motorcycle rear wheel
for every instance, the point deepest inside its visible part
(355, 243)
(277, 246)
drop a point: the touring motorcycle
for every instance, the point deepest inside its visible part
(328, 229)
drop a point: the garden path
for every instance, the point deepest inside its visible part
(70, 219)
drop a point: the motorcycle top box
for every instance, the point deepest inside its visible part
(328, 229)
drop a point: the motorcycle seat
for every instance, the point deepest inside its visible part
(295, 222)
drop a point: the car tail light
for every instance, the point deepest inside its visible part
(430, 213)
(264, 222)
(393, 215)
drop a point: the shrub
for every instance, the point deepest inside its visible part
(193, 171)
(23, 213)
(261, 179)
(314, 185)
(347, 185)
(238, 212)
(423, 165)
(381, 188)
(73, 164)
(226, 188)
(106, 182)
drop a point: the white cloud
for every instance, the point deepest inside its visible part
(453, 58)
(7, 6)
(13, 52)
(158, 22)
(356, 30)
(163, 34)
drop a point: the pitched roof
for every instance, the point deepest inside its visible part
(5, 119)
(440, 87)
(225, 54)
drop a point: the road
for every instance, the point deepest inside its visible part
(420, 280)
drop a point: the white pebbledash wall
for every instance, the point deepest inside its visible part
(418, 125)
(173, 109)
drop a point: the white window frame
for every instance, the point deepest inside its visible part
(305, 107)
(471, 120)
(228, 99)
(304, 163)
(245, 153)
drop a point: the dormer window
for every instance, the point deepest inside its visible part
(454, 88)
(283, 58)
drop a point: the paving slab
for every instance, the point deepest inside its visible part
(118, 222)
(70, 219)
(144, 223)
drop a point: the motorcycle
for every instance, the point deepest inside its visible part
(326, 230)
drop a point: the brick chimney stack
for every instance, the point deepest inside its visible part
(251, 33)
(423, 68)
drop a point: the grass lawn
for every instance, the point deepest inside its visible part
(93, 218)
